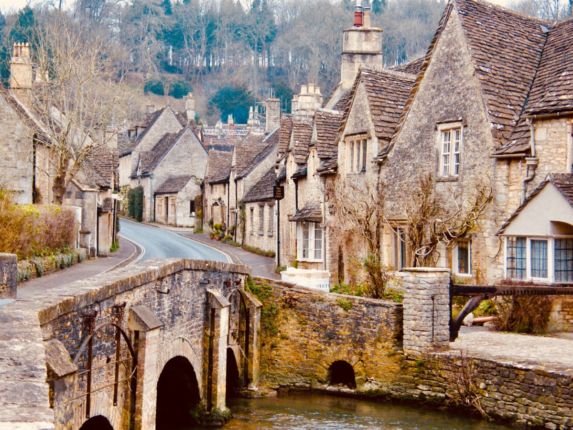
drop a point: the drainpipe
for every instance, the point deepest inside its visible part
(296, 194)
(325, 234)
(530, 162)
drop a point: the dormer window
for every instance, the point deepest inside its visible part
(450, 143)
(356, 154)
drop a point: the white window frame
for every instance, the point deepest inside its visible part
(252, 220)
(454, 155)
(271, 220)
(456, 263)
(261, 229)
(550, 258)
(312, 226)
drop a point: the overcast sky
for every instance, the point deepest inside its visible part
(6, 5)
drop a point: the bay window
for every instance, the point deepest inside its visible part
(310, 241)
(544, 259)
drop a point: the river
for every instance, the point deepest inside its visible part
(321, 412)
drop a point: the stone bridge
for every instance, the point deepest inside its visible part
(137, 349)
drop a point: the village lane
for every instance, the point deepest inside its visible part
(160, 243)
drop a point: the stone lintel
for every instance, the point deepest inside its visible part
(58, 359)
(217, 300)
(141, 318)
(250, 298)
(426, 270)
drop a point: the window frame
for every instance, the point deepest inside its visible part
(311, 247)
(271, 220)
(451, 167)
(252, 220)
(192, 209)
(456, 259)
(356, 153)
(261, 226)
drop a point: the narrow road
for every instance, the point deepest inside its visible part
(160, 243)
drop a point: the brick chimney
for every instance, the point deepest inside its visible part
(272, 114)
(21, 76)
(307, 102)
(361, 45)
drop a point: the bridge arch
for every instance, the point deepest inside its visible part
(181, 347)
(234, 380)
(177, 394)
(98, 422)
(341, 373)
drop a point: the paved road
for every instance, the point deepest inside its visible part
(160, 243)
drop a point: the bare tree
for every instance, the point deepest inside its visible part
(432, 222)
(553, 10)
(79, 96)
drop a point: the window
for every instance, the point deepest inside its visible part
(450, 151)
(463, 258)
(271, 228)
(261, 220)
(563, 257)
(357, 155)
(539, 259)
(400, 247)
(516, 257)
(252, 220)
(192, 208)
(310, 241)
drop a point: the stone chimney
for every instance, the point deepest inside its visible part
(361, 46)
(230, 120)
(272, 115)
(190, 108)
(307, 102)
(21, 76)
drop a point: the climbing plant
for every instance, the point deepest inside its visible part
(135, 203)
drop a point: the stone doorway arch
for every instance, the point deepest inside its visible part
(97, 423)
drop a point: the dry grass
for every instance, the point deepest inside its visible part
(33, 230)
(523, 314)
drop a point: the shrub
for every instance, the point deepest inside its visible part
(135, 203)
(523, 314)
(34, 230)
(154, 87)
(179, 89)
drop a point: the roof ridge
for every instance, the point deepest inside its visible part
(390, 72)
(509, 11)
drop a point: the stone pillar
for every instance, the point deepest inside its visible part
(426, 310)
(8, 276)
(217, 351)
(144, 322)
(253, 354)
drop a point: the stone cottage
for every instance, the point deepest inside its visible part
(217, 197)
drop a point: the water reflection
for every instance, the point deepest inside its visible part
(321, 412)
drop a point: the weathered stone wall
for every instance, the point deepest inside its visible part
(304, 332)
(8, 276)
(561, 317)
(264, 238)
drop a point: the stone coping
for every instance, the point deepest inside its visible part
(24, 393)
(425, 270)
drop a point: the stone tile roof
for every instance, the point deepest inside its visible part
(327, 124)
(342, 102)
(553, 88)
(173, 185)
(125, 145)
(150, 120)
(262, 190)
(302, 137)
(285, 135)
(251, 151)
(562, 181)
(310, 213)
(218, 166)
(151, 159)
(387, 93)
(506, 49)
(100, 168)
(223, 137)
(413, 67)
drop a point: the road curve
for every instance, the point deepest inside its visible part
(159, 243)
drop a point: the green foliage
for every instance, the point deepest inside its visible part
(154, 86)
(24, 27)
(135, 203)
(258, 251)
(280, 269)
(179, 89)
(234, 101)
(349, 290)
(270, 310)
(283, 92)
(345, 304)
(114, 246)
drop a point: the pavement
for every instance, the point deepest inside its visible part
(545, 352)
(127, 253)
(262, 267)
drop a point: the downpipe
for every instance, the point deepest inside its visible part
(530, 162)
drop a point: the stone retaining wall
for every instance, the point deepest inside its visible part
(42, 266)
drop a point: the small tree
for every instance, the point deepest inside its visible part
(431, 221)
(135, 203)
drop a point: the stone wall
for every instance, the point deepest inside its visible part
(8, 276)
(305, 331)
(42, 266)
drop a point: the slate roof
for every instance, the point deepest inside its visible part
(125, 145)
(151, 159)
(311, 213)
(562, 181)
(302, 137)
(262, 190)
(218, 166)
(412, 67)
(285, 131)
(553, 88)
(173, 185)
(327, 124)
(251, 151)
(150, 120)
(99, 169)
(342, 102)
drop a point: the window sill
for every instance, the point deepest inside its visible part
(447, 179)
(464, 275)
(307, 260)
